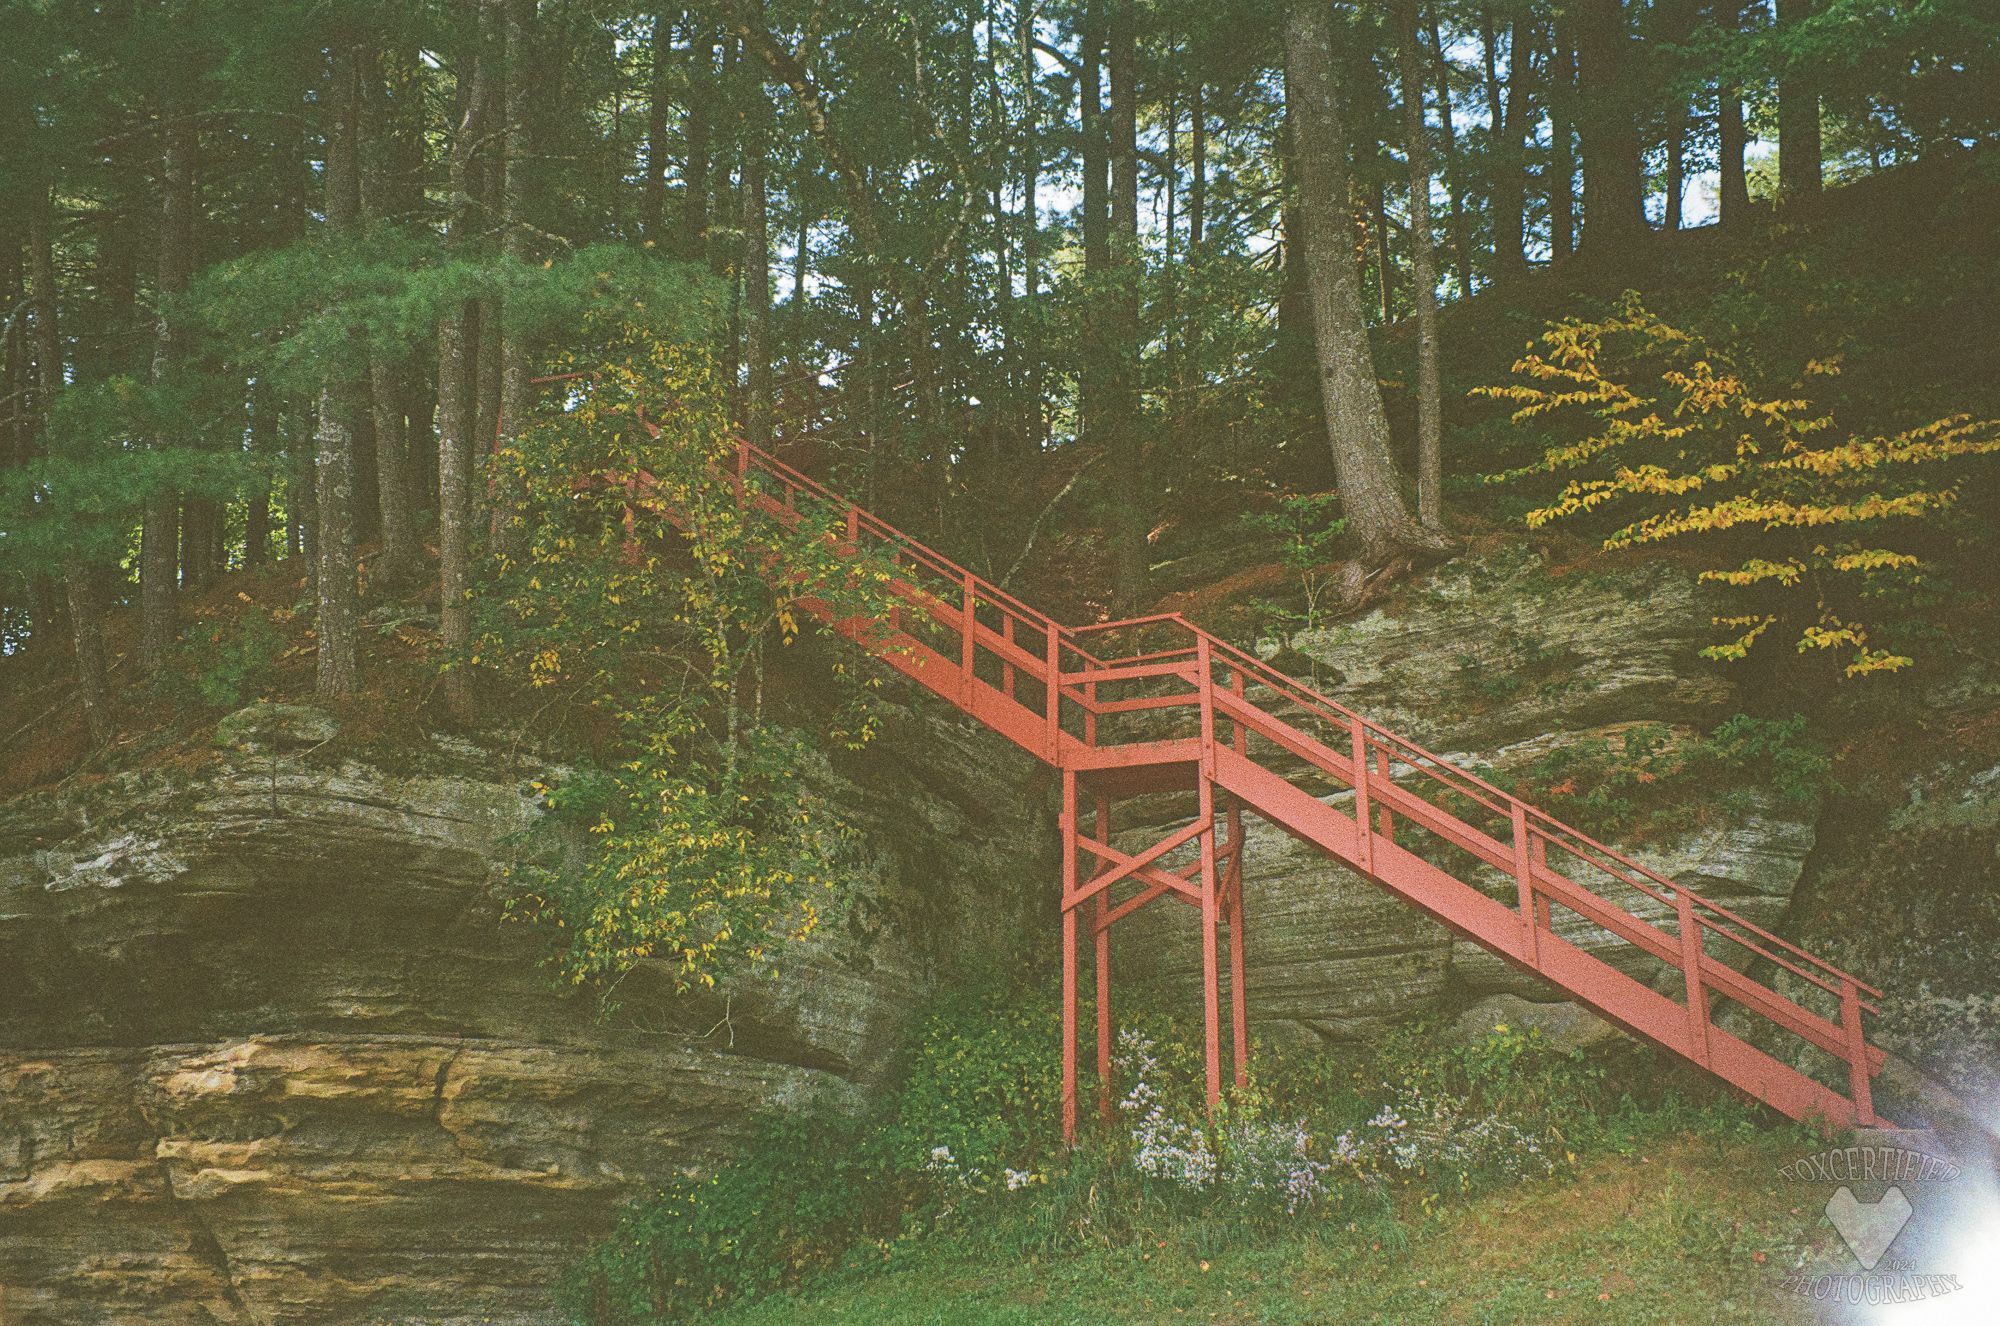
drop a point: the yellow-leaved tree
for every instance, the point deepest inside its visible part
(1664, 438)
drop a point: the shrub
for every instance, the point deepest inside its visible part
(983, 1095)
(223, 661)
(803, 1193)
(1806, 526)
(653, 598)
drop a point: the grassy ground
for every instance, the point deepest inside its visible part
(1694, 1230)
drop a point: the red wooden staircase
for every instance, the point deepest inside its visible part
(1176, 710)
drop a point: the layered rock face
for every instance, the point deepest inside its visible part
(272, 1055)
(1492, 662)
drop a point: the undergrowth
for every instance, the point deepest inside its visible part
(963, 1156)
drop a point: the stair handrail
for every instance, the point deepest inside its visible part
(1720, 920)
(1578, 843)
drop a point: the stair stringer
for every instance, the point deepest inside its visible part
(1613, 995)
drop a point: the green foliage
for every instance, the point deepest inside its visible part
(982, 1085)
(304, 314)
(222, 660)
(1675, 439)
(1305, 528)
(800, 1195)
(1646, 778)
(646, 593)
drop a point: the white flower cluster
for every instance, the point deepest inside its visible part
(1276, 1160)
(1442, 1138)
(1258, 1160)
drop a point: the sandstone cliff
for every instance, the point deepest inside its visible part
(272, 1055)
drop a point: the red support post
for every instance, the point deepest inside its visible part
(1006, 661)
(1859, 1087)
(1211, 975)
(1239, 1009)
(1068, 828)
(1102, 931)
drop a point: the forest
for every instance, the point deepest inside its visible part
(381, 388)
(259, 260)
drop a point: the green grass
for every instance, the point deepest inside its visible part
(1671, 1234)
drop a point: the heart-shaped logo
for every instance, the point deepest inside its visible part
(1868, 1228)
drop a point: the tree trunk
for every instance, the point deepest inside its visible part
(333, 484)
(1799, 154)
(1031, 184)
(1357, 426)
(86, 616)
(1675, 21)
(1090, 384)
(457, 401)
(86, 613)
(1461, 238)
(756, 288)
(1613, 186)
(1562, 141)
(1385, 272)
(1734, 200)
(517, 359)
(385, 196)
(653, 196)
(176, 267)
(1510, 256)
(700, 132)
(1125, 445)
(1430, 464)
(264, 445)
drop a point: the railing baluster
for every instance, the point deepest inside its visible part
(969, 626)
(1006, 660)
(1697, 995)
(1858, 1085)
(1205, 693)
(1364, 836)
(1524, 882)
(1242, 735)
(1388, 816)
(1054, 665)
(1538, 861)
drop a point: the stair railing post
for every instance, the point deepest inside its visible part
(1524, 882)
(1697, 994)
(742, 469)
(1053, 665)
(1858, 1084)
(968, 624)
(1364, 837)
